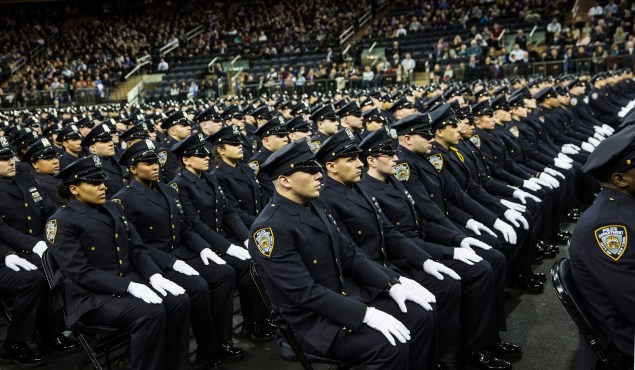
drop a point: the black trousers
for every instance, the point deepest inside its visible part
(221, 281)
(371, 348)
(29, 291)
(251, 306)
(160, 332)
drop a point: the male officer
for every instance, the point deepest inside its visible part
(274, 136)
(602, 263)
(43, 159)
(299, 127)
(326, 122)
(99, 142)
(305, 264)
(177, 127)
(71, 140)
(351, 117)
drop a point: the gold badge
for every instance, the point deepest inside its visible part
(264, 241)
(175, 186)
(402, 172)
(51, 231)
(515, 131)
(612, 240)
(254, 165)
(437, 161)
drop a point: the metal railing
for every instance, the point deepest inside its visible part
(47, 98)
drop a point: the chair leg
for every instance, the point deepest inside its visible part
(88, 350)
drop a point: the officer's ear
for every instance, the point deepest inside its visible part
(73, 189)
(619, 180)
(331, 167)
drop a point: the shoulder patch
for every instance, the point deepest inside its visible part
(51, 231)
(515, 131)
(437, 161)
(612, 240)
(402, 172)
(594, 96)
(264, 241)
(315, 145)
(117, 200)
(254, 165)
(573, 102)
(476, 140)
(163, 157)
(175, 186)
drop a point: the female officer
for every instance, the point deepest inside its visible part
(211, 216)
(155, 211)
(242, 189)
(107, 272)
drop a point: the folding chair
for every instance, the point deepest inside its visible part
(571, 300)
(290, 349)
(97, 341)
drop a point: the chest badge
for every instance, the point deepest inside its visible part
(35, 195)
(612, 240)
(264, 241)
(254, 165)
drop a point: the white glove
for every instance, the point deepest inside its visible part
(435, 269)
(587, 147)
(143, 292)
(40, 247)
(507, 230)
(540, 182)
(523, 195)
(549, 180)
(553, 172)
(561, 164)
(593, 141)
(418, 289)
(238, 252)
(516, 218)
(602, 130)
(470, 242)
(573, 146)
(568, 150)
(209, 255)
(608, 129)
(599, 136)
(515, 206)
(184, 268)
(477, 227)
(564, 158)
(400, 295)
(246, 243)
(163, 285)
(15, 262)
(530, 185)
(466, 256)
(387, 325)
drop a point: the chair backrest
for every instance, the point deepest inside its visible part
(57, 291)
(570, 297)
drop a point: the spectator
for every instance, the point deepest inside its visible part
(521, 39)
(174, 90)
(367, 77)
(192, 91)
(517, 55)
(595, 11)
(408, 65)
(552, 28)
(163, 66)
(401, 31)
(611, 7)
(620, 36)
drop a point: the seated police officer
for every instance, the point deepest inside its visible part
(106, 270)
(602, 264)
(155, 211)
(99, 142)
(177, 127)
(339, 303)
(273, 135)
(218, 223)
(45, 163)
(71, 141)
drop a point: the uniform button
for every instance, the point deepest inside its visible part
(315, 262)
(151, 227)
(120, 262)
(431, 195)
(383, 250)
(343, 292)
(26, 205)
(116, 235)
(359, 232)
(172, 247)
(30, 231)
(121, 274)
(216, 219)
(240, 201)
(344, 328)
(173, 237)
(397, 223)
(173, 226)
(92, 248)
(118, 249)
(28, 218)
(198, 211)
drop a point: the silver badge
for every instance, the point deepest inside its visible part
(201, 137)
(150, 144)
(46, 143)
(235, 130)
(350, 134)
(97, 161)
(35, 195)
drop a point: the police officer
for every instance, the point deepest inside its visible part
(339, 304)
(351, 117)
(242, 190)
(99, 142)
(234, 117)
(299, 127)
(106, 270)
(601, 261)
(43, 159)
(177, 128)
(326, 124)
(155, 211)
(273, 135)
(218, 223)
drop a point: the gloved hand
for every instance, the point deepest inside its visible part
(435, 269)
(562, 164)
(209, 255)
(569, 145)
(553, 172)
(163, 285)
(599, 136)
(400, 295)
(608, 128)
(568, 150)
(387, 325)
(564, 158)
(530, 185)
(602, 130)
(523, 196)
(238, 252)
(417, 288)
(516, 219)
(549, 179)
(143, 292)
(477, 227)
(39, 248)
(470, 242)
(593, 141)
(184, 268)
(466, 256)
(587, 147)
(541, 182)
(15, 262)
(514, 206)
(246, 243)
(507, 230)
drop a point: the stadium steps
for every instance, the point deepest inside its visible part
(121, 91)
